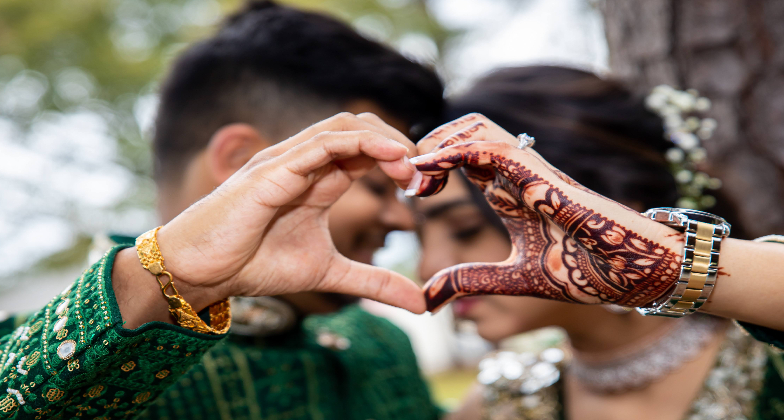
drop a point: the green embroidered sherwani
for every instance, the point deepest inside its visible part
(293, 377)
(74, 359)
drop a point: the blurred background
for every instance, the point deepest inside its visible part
(78, 82)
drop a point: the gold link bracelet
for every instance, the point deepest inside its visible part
(220, 312)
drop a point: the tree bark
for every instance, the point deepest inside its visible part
(732, 52)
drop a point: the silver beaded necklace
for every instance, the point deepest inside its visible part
(637, 370)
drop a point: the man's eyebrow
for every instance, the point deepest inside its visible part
(440, 209)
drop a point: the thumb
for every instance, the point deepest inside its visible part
(376, 283)
(473, 279)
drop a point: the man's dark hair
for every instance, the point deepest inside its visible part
(280, 70)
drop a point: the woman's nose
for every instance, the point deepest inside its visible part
(436, 255)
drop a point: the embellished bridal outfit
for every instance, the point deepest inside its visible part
(745, 381)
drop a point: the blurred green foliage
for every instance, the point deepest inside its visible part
(103, 55)
(105, 58)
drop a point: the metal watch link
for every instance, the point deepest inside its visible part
(699, 267)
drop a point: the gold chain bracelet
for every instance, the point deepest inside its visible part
(150, 256)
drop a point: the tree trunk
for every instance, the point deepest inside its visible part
(732, 52)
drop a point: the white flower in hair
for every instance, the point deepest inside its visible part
(686, 131)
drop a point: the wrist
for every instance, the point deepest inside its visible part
(136, 291)
(198, 290)
(201, 295)
(749, 284)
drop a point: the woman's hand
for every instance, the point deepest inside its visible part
(264, 231)
(569, 243)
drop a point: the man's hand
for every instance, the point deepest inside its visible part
(264, 231)
(569, 243)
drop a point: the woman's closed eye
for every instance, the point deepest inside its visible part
(468, 233)
(378, 189)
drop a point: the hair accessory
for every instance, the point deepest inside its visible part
(525, 141)
(685, 128)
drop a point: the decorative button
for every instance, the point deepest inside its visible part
(60, 324)
(62, 308)
(67, 289)
(66, 349)
(332, 341)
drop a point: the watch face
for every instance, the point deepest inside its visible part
(697, 215)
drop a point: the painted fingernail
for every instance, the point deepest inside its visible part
(416, 159)
(431, 185)
(407, 162)
(413, 186)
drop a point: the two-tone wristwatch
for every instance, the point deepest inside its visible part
(699, 266)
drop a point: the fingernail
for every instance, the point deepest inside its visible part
(416, 159)
(407, 162)
(413, 186)
(431, 185)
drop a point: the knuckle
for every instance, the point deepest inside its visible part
(344, 120)
(366, 133)
(383, 284)
(369, 116)
(321, 137)
(334, 146)
(258, 159)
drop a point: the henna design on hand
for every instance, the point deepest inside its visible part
(561, 249)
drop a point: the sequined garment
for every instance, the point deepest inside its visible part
(342, 366)
(73, 358)
(743, 384)
(347, 365)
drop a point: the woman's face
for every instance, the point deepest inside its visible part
(453, 230)
(361, 219)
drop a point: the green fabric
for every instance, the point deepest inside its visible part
(765, 334)
(770, 403)
(116, 373)
(293, 377)
(113, 373)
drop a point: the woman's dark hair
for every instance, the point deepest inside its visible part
(594, 130)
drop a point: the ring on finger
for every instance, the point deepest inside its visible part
(525, 141)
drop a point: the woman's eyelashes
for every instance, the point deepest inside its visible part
(468, 233)
(379, 189)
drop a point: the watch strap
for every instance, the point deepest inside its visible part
(698, 272)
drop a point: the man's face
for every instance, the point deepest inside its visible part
(358, 222)
(371, 208)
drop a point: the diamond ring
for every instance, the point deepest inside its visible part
(525, 141)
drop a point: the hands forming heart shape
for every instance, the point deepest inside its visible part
(569, 243)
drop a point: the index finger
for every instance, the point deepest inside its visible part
(389, 131)
(344, 121)
(437, 136)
